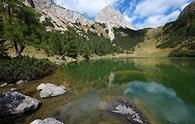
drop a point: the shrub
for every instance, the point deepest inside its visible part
(24, 68)
(3, 49)
(48, 22)
(191, 30)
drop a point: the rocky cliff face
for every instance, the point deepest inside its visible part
(58, 11)
(63, 18)
(112, 18)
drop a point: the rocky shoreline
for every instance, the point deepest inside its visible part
(15, 103)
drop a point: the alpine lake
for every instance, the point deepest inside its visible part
(163, 89)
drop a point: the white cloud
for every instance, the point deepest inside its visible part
(90, 7)
(153, 7)
(128, 19)
(155, 13)
(158, 20)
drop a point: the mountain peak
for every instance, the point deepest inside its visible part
(110, 16)
(109, 8)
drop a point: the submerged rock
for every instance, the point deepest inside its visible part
(13, 89)
(103, 105)
(13, 103)
(128, 111)
(20, 82)
(48, 90)
(3, 85)
(46, 121)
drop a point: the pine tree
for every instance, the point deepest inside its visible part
(21, 25)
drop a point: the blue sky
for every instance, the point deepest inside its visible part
(139, 13)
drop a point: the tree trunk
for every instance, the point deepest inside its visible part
(19, 52)
(9, 11)
(16, 48)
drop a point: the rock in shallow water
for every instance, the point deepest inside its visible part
(13, 89)
(13, 103)
(128, 111)
(20, 82)
(46, 121)
(48, 90)
(3, 85)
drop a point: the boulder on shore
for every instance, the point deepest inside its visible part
(13, 103)
(46, 121)
(49, 90)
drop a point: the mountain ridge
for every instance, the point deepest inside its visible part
(65, 14)
(62, 37)
(63, 18)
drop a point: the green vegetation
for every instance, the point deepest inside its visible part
(180, 35)
(47, 22)
(127, 39)
(72, 44)
(21, 24)
(21, 27)
(24, 68)
(3, 49)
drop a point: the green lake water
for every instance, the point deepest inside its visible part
(162, 89)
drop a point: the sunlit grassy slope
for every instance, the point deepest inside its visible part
(148, 48)
(39, 54)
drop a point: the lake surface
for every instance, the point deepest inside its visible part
(162, 89)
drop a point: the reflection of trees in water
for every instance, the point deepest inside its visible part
(177, 74)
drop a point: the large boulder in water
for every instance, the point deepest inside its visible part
(46, 121)
(13, 103)
(48, 90)
(128, 111)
